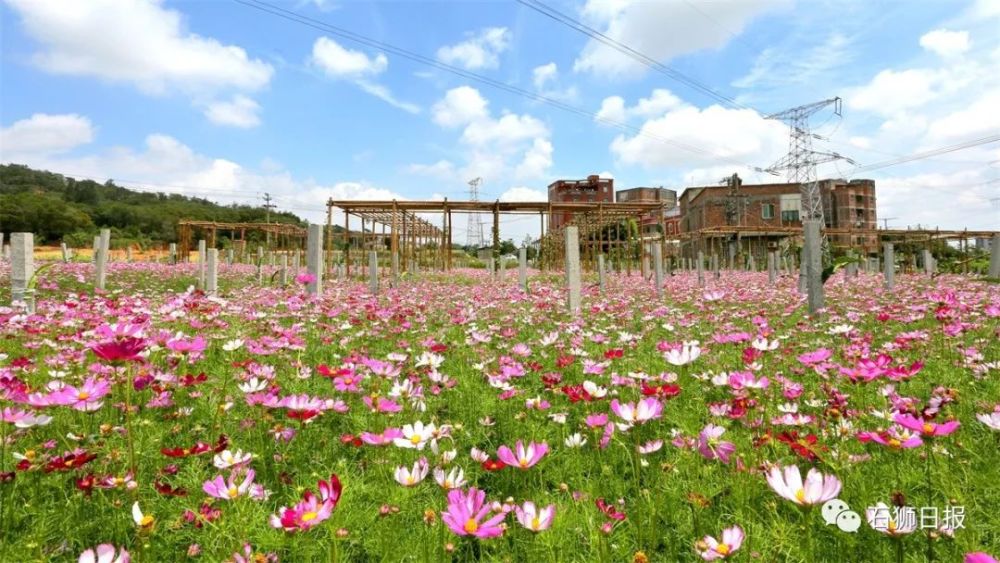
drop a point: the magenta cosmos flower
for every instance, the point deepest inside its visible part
(711, 447)
(311, 510)
(638, 413)
(526, 457)
(465, 514)
(85, 398)
(816, 489)
(711, 549)
(926, 427)
(105, 553)
(529, 516)
(979, 557)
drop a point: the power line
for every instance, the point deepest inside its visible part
(510, 88)
(628, 51)
(927, 154)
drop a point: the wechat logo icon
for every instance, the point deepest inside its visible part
(837, 512)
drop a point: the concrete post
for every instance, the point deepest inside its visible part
(889, 263)
(814, 268)
(645, 261)
(503, 268)
(202, 257)
(715, 266)
(522, 268)
(65, 251)
(700, 267)
(283, 277)
(230, 256)
(600, 272)
(994, 271)
(658, 268)
(373, 272)
(573, 268)
(296, 264)
(772, 271)
(106, 243)
(314, 259)
(101, 266)
(173, 253)
(22, 267)
(97, 248)
(212, 272)
(260, 264)
(928, 263)
(128, 253)
(395, 267)
(803, 285)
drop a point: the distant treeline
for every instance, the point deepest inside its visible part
(58, 208)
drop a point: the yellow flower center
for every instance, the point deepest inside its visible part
(801, 495)
(415, 439)
(524, 462)
(448, 484)
(722, 549)
(83, 395)
(233, 492)
(892, 527)
(309, 516)
(348, 381)
(470, 526)
(535, 523)
(928, 428)
(409, 479)
(146, 521)
(895, 443)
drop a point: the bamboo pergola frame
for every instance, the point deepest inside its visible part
(294, 235)
(413, 238)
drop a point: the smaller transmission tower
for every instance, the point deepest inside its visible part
(474, 236)
(801, 160)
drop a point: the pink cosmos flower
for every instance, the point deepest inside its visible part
(979, 557)
(311, 511)
(228, 490)
(529, 516)
(711, 549)
(526, 456)
(86, 398)
(383, 439)
(991, 419)
(685, 354)
(637, 413)
(711, 447)
(746, 380)
(305, 278)
(596, 420)
(817, 357)
(105, 553)
(816, 489)
(23, 419)
(465, 514)
(896, 438)
(926, 427)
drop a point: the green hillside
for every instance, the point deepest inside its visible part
(62, 209)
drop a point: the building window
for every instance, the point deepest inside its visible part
(791, 216)
(767, 210)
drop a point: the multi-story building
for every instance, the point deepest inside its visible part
(651, 221)
(591, 189)
(846, 205)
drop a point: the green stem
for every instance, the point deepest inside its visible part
(129, 435)
(899, 550)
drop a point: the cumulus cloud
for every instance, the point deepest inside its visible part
(240, 112)
(140, 43)
(480, 51)
(45, 134)
(946, 43)
(339, 62)
(662, 30)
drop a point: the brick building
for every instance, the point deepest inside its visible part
(651, 220)
(846, 205)
(592, 189)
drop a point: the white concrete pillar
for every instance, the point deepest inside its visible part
(772, 270)
(803, 259)
(994, 271)
(889, 264)
(22, 267)
(658, 268)
(522, 268)
(928, 263)
(202, 257)
(573, 268)
(212, 271)
(600, 272)
(101, 266)
(106, 243)
(65, 251)
(173, 253)
(283, 277)
(814, 268)
(314, 259)
(700, 267)
(230, 256)
(373, 272)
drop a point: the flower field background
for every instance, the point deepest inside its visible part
(454, 419)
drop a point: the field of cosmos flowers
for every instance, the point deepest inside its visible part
(457, 418)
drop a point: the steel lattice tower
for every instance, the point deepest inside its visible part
(474, 236)
(801, 160)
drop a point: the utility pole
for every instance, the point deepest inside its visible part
(885, 222)
(268, 206)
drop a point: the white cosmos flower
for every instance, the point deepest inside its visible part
(410, 477)
(452, 480)
(415, 435)
(575, 440)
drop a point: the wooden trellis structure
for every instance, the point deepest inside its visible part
(287, 236)
(413, 238)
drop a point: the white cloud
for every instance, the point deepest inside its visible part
(339, 62)
(797, 63)
(979, 118)
(537, 160)
(240, 111)
(442, 169)
(511, 129)
(659, 102)
(138, 42)
(946, 43)
(891, 91)
(44, 133)
(738, 135)
(480, 51)
(460, 106)
(662, 30)
(523, 193)
(543, 74)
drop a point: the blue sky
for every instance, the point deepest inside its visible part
(218, 99)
